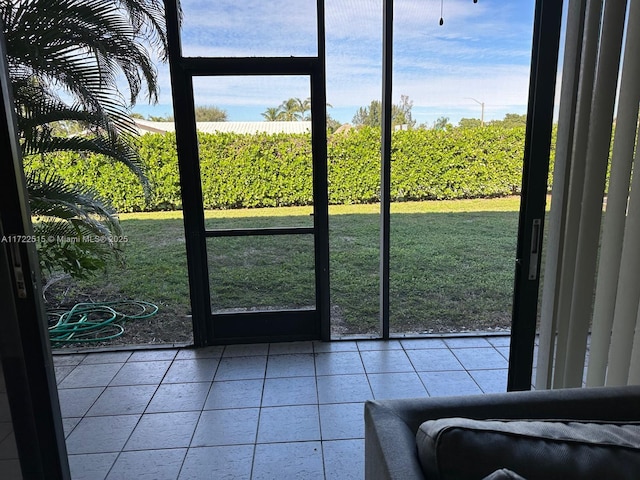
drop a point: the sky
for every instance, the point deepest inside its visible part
(481, 54)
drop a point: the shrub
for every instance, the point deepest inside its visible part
(263, 170)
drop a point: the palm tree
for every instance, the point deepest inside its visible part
(304, 106)
(64, 59)
(272, 114)
(291, 110)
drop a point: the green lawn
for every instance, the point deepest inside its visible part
(452, 264)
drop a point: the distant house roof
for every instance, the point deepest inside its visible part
(146, 126)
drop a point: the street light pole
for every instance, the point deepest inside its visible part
(481, 111)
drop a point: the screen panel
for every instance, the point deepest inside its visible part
(275, 272)
(249, 28)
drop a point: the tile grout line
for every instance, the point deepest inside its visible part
(137, 423)
(365, 372)
(189, 446)
(315, 376)
(255, 443)
(144, 411)
(104, 388)
(467, 371)
(415, 370)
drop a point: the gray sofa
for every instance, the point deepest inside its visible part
(571, 433)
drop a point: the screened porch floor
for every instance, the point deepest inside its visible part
(263, 411)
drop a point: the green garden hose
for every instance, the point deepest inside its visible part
(96, 322)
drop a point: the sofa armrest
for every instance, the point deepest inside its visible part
(390, 445)
(391, 425)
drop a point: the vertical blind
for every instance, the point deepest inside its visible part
(591, 288)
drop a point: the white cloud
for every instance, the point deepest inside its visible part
(481, 51)
(262, 92)
(497, 87)
(248, 28)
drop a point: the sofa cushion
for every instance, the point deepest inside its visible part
(460, 448)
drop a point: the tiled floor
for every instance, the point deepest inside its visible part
(286, 411)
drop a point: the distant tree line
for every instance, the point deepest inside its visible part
(371, 116)
(510, 120)
(204, 113)
(296, 109)
(401, 116)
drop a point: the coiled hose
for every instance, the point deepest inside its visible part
(95, 322)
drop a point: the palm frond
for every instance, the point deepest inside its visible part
(74, 226)
(78, 40)
(80, 48)
(119, 148)
(51, 196)
(40, 108)
(148, 20)
(37, 105)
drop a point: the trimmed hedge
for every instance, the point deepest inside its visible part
(263, 170)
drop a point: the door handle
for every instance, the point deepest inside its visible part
(536, 228)
(16, 260)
